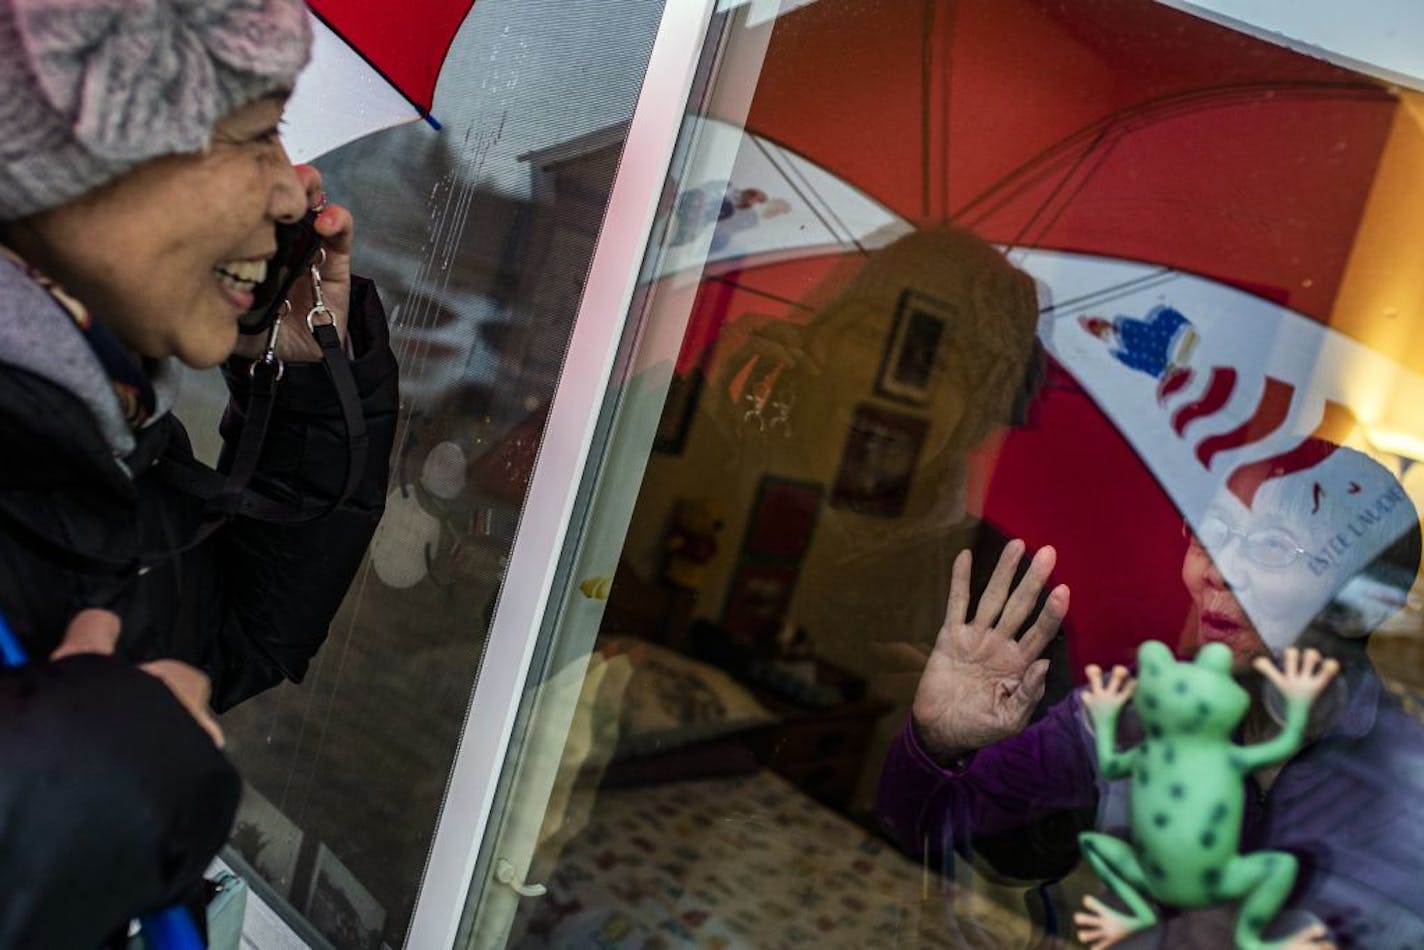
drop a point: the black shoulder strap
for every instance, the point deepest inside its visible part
(226, 496)
(123, 569)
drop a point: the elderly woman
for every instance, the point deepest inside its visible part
(142, 182)
(1265, 571)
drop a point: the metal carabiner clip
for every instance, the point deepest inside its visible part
(269, 353)
(319, 307)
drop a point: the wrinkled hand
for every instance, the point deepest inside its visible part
(980, 685)
(1103, 697)
(336, 227)
(97, 631)
(1302, 676)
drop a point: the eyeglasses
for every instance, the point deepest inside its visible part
(1269, 547)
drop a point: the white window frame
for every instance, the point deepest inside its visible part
(563, 455)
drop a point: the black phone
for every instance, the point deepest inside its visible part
(297, 246)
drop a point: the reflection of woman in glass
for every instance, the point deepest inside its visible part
(969, 773)
(802, 400)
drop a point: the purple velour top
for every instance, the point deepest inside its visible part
(1350, 807)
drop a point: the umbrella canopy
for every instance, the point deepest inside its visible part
(774, 206)
(405, 45)
(374, 65)
(1133, 136)
(1121, 129)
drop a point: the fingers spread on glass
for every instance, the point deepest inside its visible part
(996, 594)
(958, 607)
(1046, 624)
(1025, 595)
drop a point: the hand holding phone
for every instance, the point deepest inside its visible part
(297, 247)
(329, 229)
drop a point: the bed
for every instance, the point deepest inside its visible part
(746, 861)
(682, 842)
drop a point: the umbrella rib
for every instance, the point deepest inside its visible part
(1051, 157)
(422, 109)
(1011, 185)
(1104, 153)
(1113, 292)
(830, 209)
(1062, 183)
(721, 279)
(806, 194)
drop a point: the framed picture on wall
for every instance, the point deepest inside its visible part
(783, 518)
(878, 462)
(911, 358)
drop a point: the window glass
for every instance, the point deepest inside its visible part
(948, 284)
(478, 238)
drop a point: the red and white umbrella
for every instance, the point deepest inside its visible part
(373, 66)
(774, 206)
(1129, 135)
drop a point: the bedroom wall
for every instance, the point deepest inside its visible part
(868, 581)
(872, 587)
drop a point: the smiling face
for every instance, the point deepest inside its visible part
(167, 254)
(1271, 531)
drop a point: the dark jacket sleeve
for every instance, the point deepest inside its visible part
(1012, 787)
(112, 800)
(283, 583)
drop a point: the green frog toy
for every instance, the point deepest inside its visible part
(1187, 795)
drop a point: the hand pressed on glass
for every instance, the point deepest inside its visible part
(980, 684)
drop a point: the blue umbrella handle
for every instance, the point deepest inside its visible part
(11, 653)
(170, 929)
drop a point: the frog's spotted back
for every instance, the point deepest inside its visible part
(1186, 699)
(1186, 800)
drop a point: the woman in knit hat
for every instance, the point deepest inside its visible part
(142, 183)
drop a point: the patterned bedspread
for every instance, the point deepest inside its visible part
(743, 862)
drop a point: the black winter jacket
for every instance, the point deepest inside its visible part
(109, 793)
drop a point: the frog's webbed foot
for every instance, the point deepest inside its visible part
(1099, 926)
(1117, 864)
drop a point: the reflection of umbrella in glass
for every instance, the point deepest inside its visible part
(774, 206)
(1126, 130)
(1122, 131)
(374, 65)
